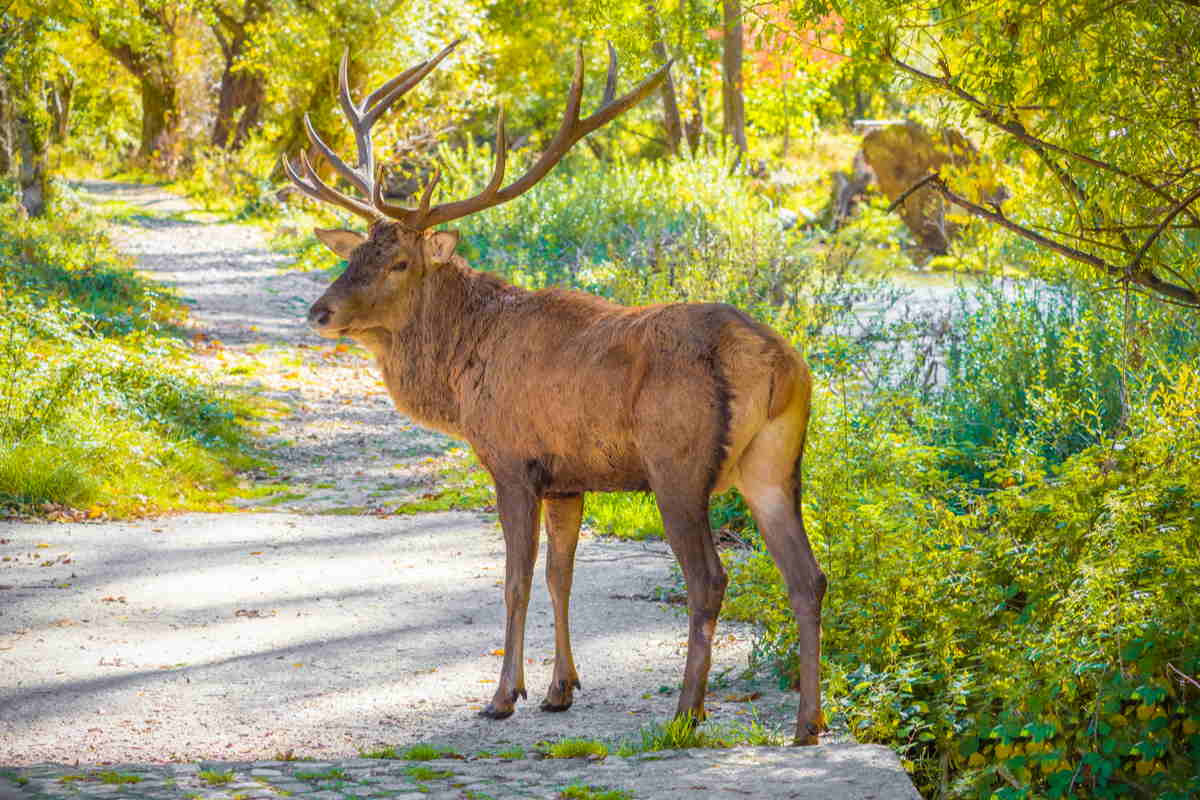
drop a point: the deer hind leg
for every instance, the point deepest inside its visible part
(563, 517)
(769, 480)
(685, 521)
(519, 509)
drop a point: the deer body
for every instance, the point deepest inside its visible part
(574, 388)
(562, 393)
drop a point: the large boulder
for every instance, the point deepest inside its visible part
(902, 154)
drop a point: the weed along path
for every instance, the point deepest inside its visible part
(201, 655)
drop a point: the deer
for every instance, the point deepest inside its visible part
(560, 393)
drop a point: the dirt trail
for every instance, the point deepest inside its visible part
(243, 636)
(339, 443)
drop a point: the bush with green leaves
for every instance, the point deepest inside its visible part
(1014, 558)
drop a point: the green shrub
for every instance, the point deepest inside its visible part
(1028, 637)
(99, 406)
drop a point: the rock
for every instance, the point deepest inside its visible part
(902, 154)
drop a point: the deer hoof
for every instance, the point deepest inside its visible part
(559, 697)
(491, 712)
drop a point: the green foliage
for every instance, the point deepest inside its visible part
(1012, 562)
(573, 748)
(462, 484)
(426, 752)
(214, 778)
(1098, 163)
(422, 773)
(583, 791)
(682, 733)
(380, 752)
(512, 752)
(98, 406)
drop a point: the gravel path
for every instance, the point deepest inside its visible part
(338, 442)
(160, 648)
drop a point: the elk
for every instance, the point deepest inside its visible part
(560, 393)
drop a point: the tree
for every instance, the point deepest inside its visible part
(1096, 103)
(22, 53)
(243, 87)
(732, 101)
(672, 122)
(141, 35)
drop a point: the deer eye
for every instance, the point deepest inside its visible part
(399, 265)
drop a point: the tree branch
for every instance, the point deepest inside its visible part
(1181, 294)
(1162, 226)
(1017, 130)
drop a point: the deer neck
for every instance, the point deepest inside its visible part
(424, 359)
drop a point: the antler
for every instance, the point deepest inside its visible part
(367, 178)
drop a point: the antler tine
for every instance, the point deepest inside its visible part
(348, 172)
(570, 131)
(311, 184)
(364, 176)
(610, 82)
(410, 217)
(381, 99)
(362, 134)
(501, 156)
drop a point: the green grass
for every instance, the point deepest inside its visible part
(333, 774)
(627, 515)
(388, 752)
(19, 780)
(682, 733)
(422, 773)
(101, 407)
(462, 484)
(109, 777)
(214, 778)
(511, 753)
(574, 748)
(426, 752)
(583, 791)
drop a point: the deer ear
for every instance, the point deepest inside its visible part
(439, 246)
(340, 241)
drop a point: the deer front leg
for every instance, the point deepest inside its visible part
(519, 509)
(563, 517)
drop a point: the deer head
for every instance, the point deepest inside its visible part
(388, 265)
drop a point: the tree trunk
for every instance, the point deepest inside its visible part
(733, 105)
(672, 123)
(59, 105)
(694, 127)
(160, 122)
(239, 91)
(31, 176)
(7, 132)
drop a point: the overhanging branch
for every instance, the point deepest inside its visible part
(1015, 129)
(1134, 273)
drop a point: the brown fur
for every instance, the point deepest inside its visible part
(562, 393)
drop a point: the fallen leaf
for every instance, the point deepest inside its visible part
(499, 651)
(94, 512)
(742, 698)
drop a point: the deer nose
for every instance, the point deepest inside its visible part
(319, 316)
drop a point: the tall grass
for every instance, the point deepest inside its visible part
(99, 408)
